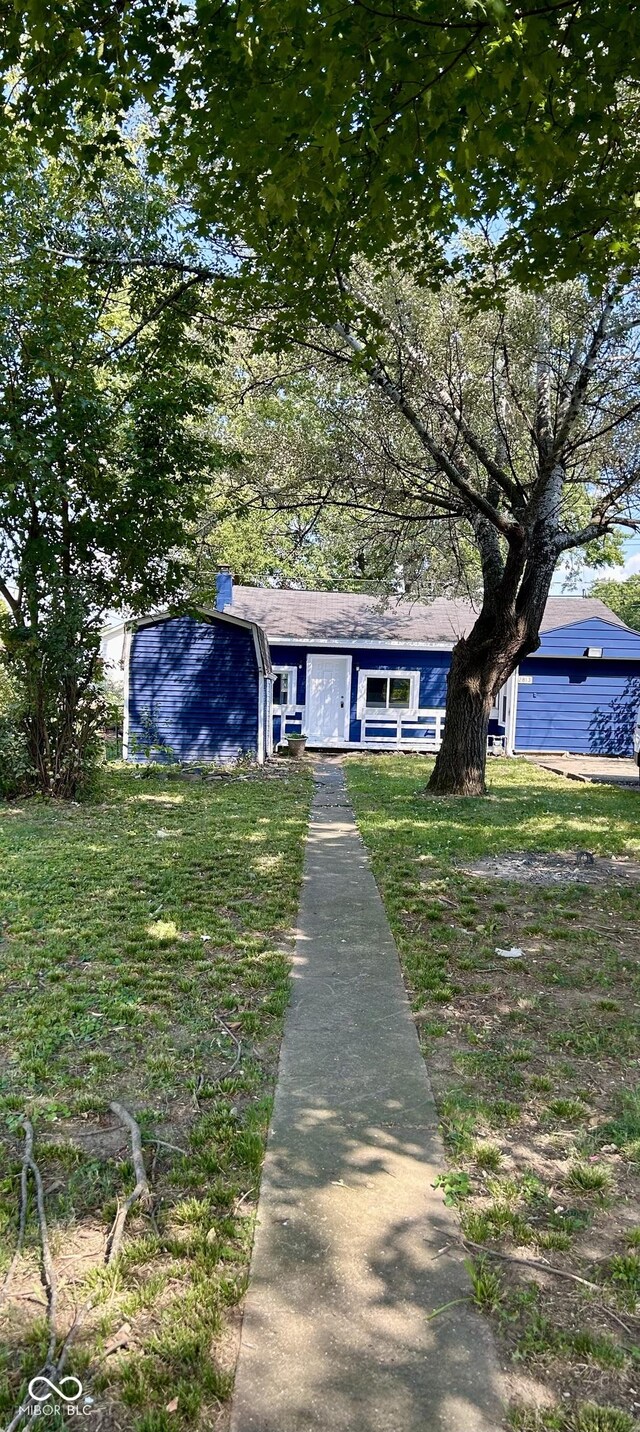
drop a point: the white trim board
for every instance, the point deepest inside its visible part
(196, 614)
(594, 661)
(511, 712)
(374, 745)
(326, 644)
(262, 708)
(292, 673)
(126, 654)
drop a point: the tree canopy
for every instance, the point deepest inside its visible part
(103, 447)
(328, 150)
(312, 452)
(518, 426)
(622, 597)
(311, 132)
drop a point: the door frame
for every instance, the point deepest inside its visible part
(345, 661)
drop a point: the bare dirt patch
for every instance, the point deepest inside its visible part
(579, 867)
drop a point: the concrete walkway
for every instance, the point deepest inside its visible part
(354, 1248)
(603, 770)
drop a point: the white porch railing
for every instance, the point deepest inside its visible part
(291, 721)
(422, 730)
(399, 728)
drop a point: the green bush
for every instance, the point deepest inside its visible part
(17, 776)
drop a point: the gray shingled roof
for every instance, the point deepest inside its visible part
(347, 616)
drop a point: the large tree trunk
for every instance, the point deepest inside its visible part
(460, 764)
(503, 634)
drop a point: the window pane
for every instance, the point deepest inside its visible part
(377, 690)
(281, 689)
(400, 691)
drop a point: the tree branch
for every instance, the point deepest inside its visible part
(453, 410)
(574, 402)
(158, 308)
(24, 1195)
(11, 601)
(598, 527)
(510, 530)
(141, 1191)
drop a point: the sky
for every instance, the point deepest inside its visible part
(584, 578)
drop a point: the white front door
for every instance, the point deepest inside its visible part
(327, 713)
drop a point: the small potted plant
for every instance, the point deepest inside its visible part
(296, 742)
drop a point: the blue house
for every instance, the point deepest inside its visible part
(197, 688)
(368, 673)
(365, 672)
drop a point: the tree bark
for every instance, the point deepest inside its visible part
(506, 630)
(460, 763)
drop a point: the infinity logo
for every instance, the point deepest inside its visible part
(51, 1387)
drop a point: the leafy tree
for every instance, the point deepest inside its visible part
(298, 501)
(315, 132)
(318, 138)
(518, 426)
(102, 445)
(622, 597)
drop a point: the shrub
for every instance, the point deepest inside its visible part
(17, 776)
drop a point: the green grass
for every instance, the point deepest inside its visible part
(588, 1178)
(624, 1273)
(487, 1156)
(588, 1418)
(144, 959)
(485, 1282)
(534, 1063)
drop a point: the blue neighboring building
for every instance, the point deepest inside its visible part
(363, 672)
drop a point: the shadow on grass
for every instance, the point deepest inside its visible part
(526, 809)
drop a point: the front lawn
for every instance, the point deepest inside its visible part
(144, 951)
(534, 1061)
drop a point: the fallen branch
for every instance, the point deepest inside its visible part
(162, 1143)
(604, 1308)
(559, 1273)
(24, 1196)
(531, 1263)
(52, 1369)
(230, 1034)
(48, 1270)
(49, 1280)
(199, 1085)
(141, 1192)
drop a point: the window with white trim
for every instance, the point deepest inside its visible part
(387, 691)
(284, 686)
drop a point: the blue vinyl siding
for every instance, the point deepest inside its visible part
(616, 642)
(197, 682)
(575, 704)
(580, 706)
(586, 705)
(432, 665)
